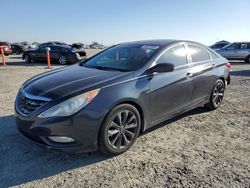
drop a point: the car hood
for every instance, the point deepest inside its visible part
(70, 80)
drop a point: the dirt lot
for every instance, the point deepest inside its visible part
(200, 148)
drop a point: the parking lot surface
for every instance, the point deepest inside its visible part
(199, 148)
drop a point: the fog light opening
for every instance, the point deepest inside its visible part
(61, 139)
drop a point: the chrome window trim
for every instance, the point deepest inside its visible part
(189, 58)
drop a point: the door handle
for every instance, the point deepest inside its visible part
(189, 74)
(213, 65)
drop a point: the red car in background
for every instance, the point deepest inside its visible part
(6, 48)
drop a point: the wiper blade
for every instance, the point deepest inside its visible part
(106, 68)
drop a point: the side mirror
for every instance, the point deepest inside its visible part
(162, 67)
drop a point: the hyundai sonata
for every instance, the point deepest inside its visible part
(107, 100)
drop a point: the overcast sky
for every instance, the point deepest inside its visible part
(115, 21)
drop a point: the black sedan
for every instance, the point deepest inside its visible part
(107, 100)
(18, 48)
(58, 53)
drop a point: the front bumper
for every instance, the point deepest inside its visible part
(83, 127)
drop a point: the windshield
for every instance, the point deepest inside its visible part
(123, 57)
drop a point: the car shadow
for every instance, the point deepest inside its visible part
(240, 73)
(237, 62)
(21, 161)
(199, 110)
(33, 64)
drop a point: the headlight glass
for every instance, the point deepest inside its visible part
(70, 106)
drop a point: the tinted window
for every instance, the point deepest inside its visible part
(198, 54)
(42, 48)
(123, 57)
(230, 46)
(54, 48)
(176, 55)
(243, 46)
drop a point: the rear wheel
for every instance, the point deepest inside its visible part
(248, 59)
(120, 129)
(217, 95)
(27, 59)
(62, 60)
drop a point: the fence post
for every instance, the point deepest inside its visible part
(48, 57)
(3, 58)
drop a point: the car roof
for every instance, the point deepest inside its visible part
(242, 42)
(159, 42)
(57, 45)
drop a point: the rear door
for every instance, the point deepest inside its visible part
(55, 52)
(39, 54)
(170, 92)
(242, 51)
(204, 72)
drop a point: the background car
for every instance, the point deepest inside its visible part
(236, 51)
(58, 53)
(219, 45)
(79, 48)
(6, 48)
(78, 45)
(106, 101)
(18, 48)
(52, 43)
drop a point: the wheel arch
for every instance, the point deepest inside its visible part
(133, 103)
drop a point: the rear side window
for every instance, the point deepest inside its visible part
(213, 55)
(198, 54)
(176, 55)
(243, 46)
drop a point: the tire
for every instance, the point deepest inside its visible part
(27, 58)
(120, 129)
(217, 95)
(248, 59)
(62, 60)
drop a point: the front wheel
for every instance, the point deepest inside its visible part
(62, 60)
(217, 95)
(120, 129)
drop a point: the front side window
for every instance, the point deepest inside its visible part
(198, 54)
(230, 46)
(43, 48)
(124, 57)
(176, 55)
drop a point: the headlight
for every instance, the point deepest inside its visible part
(70, 106)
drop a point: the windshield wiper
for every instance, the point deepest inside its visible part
(107, 68)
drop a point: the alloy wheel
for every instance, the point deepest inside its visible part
(218, 94)
(62, 60)
(122, 129)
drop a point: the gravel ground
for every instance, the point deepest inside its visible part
(198, 149)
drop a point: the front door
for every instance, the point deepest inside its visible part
(171, 92)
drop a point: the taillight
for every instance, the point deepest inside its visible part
(228, 65)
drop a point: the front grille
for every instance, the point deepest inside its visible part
(27, 105)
